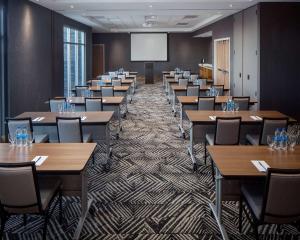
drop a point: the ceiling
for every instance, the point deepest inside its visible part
(146, 16)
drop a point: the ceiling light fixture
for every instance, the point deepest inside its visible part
(150, 6)
(72, 6)
(230, 5)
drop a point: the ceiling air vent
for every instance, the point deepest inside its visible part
(182, 24)
(190, 17)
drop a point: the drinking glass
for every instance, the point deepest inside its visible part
(12, 139)
(292, 139)
(224, 106)
(30, 139)
(237, 107)
(270, 141)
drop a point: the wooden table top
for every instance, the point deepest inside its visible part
(117, 100)
(62, 157)
(219, 99)
(125, 81)
(204, 116)
(235, 161)
(177, 87)
(92, 118)
(116, 88)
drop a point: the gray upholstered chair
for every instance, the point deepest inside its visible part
(243, 102)
(69, 130)
(177, 76)
(121, 76)
(107, 91)
(194, 77)
(126, 74)
(206, 103)
(106, 77)
(183, 82)
(269, 126)
(81, 91)
(274, 202)
(95, 82)
(192, 91)
(220, 89)
(25, 194)
(14, 123)
(172, 73)
(227, 133)
(116, 82)
(186, 73)
(93, 104)
(55, 103)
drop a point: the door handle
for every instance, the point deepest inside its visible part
(240, 75)
(248, 76)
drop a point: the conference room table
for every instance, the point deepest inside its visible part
(207, 118)
(67, 161)
(128, 81)
(234, 163)
(180, 90)
(118, 91)
(96, 123)
(191, 103)
(109, 104)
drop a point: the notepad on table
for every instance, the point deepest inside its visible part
(213, 118)
(39, 160)
(261, 165)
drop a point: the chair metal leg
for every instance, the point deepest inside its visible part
(60, 206)
(24, 219)
(205, 152)
(3, 221)
(45, 226)
(255, 228)
(240, 214)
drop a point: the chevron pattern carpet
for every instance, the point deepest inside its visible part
(150, 190)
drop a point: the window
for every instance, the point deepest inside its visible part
(74, 59)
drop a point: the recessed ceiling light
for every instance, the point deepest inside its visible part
(71, 6)
(150, 6)
(230, 5)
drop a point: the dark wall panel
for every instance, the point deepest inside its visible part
(35, 55)
(279, 63)
(29, 56)
(184, 51)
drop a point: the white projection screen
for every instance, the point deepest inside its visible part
(149, 47)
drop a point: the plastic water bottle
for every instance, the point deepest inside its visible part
(19, 137)
(277, 139)
(24, 137)
(284, 139)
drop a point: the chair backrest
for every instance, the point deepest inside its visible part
(172, 73)
(69, 130)
(112, 74)
(227, 131)
(281, 201)
(95, 82)
(192, 91)
(126, 73)
(106, 77)
(243, 102)
(93, 104)
(107, 91)
(183, 82)
(55, 103)
(186, 73)
(81, 90)
(14, 123)
(177, 76)
(269, 126)
(206, 103)
(116, 82)
(121, 76)
(194, 77)
(220, 89)
(20, 191)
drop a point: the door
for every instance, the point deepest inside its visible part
(238, 55)
(222, 62)
(250, 53)
(98, 60)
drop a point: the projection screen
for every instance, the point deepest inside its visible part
(149, 47)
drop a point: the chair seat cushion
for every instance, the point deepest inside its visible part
(87, 138)
(253, 139)
(48, 187)
(41, 138)
(210, 138)
(253, 194)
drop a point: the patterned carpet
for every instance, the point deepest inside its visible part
(150, 191)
